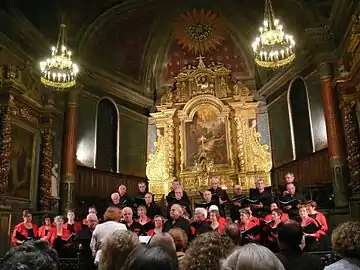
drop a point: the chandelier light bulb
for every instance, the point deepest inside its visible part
(59, 71)
(273, 47)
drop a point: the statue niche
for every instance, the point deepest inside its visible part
(209, 128)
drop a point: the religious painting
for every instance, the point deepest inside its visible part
(22, 162)
(206, 135)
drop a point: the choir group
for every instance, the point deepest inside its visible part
(257, 217)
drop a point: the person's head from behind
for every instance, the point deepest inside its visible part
(232, 231)
(206, 251)
(180, 239)
(252, 257)
(152, 257)
(30, 255)
(163, 239)
(290, 235)
(345, 239)
(112, 213)
(116, 248)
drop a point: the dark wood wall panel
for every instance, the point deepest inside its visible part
(96, 183)
(310, 171)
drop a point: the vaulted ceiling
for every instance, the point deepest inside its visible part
(134, 40)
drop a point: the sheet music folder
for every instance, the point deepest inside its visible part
(252, 231)
(311, 228)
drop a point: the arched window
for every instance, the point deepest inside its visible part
(300, 119)
(107, 136)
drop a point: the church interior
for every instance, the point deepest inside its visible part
(155, 91)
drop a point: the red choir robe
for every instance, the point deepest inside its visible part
(147, 221)
(77, 227)
(66, 234)
(251, 224)
(321, 219)
(309, 221)
(20, 228)
(151, 232)
(42, 232)
(284, 217)
(255, 220)
(221, 227)
(311, 242)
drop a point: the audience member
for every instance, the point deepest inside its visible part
(112, 217)
(31, 255)
(345, 241)
(163, 239)
(115, 249)
(181, 241)
(232, 231)
(290, 236)
(252, 257)
(151, 257)
(206, 251)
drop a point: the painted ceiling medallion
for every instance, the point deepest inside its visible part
(199, 31)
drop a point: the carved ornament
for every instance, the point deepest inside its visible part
(206, 126)
(198, 80)
(5, 149)
(46, 166)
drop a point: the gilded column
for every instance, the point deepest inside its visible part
(171, 149)
(334, 135)
(351, 131)
(240, 144)
(67, 181)
(5, 150)
(46, 165)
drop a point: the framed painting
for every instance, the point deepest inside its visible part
(25, 143)
(206, 134)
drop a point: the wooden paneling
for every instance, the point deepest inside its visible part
(310, 171)
(96, 183)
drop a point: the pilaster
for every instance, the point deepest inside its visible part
(322, 44)
(68, 176)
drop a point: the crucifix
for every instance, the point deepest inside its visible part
(201, 62)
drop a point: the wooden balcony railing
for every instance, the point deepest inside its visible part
(96, 183)
(310, 171)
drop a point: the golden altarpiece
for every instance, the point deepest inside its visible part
(206, 127)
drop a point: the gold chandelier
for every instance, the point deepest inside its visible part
(59, 72)
(273, 48)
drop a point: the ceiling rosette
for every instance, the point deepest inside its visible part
(199, 31)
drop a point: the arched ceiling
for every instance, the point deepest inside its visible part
(134, 39)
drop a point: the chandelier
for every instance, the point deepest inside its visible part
(273, 48)
(59, 72)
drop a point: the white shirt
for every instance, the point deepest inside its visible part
(101, 232)
(345, 263)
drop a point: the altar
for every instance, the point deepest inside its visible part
(206, 126)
